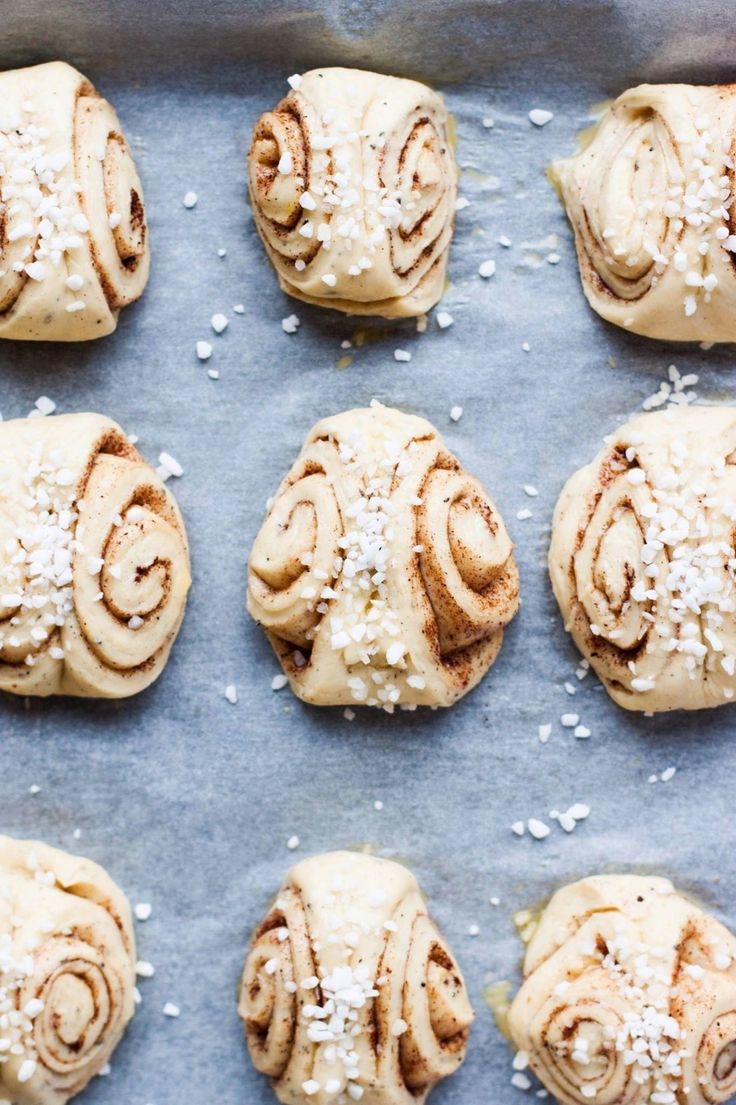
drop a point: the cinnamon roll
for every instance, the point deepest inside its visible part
(629, 997)
(382, 574)
(353, 183)
(67, 972)
(349, 991)
(94, 565)
(73, 234)
(650, 200)
(643, 560)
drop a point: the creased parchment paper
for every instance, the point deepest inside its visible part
(188, 800)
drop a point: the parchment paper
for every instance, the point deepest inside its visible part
(188, 800)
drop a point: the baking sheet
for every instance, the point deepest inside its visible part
(188, 800)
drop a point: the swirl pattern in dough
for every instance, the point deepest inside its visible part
(629, 997)
(650, 200)
(94, 564)
(643, 560)
(382, 574)
(349, 991)
(73, 234)
(67, 972)
(353, 183)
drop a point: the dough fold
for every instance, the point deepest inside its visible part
(353, 183)
(650, 199)
(73, 234)
(383, 574)
(94, 564)
(349, 991)
(642, 560)
(629, 997)
(67, 972)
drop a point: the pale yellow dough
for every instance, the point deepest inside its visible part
(353, 930)
(94, 564)
(383, 574)
(650, 199)
(73, 240)
(629, 997)
(362, 165)
(642, 560)
(67, 967)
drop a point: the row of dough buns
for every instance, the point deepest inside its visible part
(353, 184)
(350, 992)
(383, 573)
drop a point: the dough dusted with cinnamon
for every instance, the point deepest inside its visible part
(94, 562)
(650, 199)
(349, 991)
(642, 560)
(382, 574)
(67, 972)
(629, 997)
(353, 183)
(74, 243)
